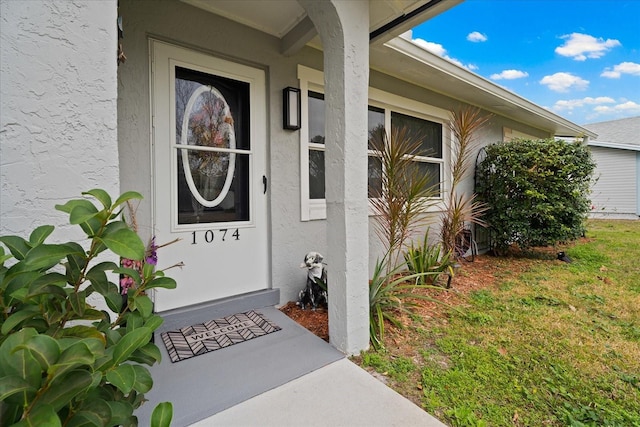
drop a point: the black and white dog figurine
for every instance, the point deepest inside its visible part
(314, 294)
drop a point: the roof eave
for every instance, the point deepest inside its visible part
(544, 118)
(618, 146)
(403, 23)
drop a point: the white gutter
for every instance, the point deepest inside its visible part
(631, 147)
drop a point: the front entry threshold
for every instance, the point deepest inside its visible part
(209, 383)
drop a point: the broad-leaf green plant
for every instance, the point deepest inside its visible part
(62, 361)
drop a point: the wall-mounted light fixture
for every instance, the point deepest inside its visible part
(291, 108)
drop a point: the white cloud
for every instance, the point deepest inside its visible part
(563, 82)
(476, 37)
(623, 109)
(622, 68)
(626, 107)
(610, 74)
(570, 104)
(582, 46)
(509, 75)
(439, 50)
(436, 48)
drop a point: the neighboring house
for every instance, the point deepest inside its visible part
(616, 151)
(72, 120)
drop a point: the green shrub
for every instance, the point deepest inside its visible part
(426, 258)
(536, 191)
(62, 361)
(391, 294)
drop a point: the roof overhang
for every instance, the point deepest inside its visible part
(407, 61)
(288, 21)
(604, 144)
(396, 56)
(391, 22)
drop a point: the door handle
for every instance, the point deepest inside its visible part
(264, 183)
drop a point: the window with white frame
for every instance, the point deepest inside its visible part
(385, 111)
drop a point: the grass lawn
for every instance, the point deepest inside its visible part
(529, 340)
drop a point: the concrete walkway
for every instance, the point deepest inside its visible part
(286, 378)
(339, 394)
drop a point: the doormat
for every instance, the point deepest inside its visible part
(215, 334)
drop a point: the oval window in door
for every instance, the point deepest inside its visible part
(208, 123)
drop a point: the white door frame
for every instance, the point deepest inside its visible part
(222, 259)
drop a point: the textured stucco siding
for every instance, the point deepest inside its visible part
(58, 129)
(615, 193)
(290, 238)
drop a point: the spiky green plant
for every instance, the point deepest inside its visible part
(399, 208)
(425, 257)
(391, 293)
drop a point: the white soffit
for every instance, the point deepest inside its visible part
(287, 20)
(279, 17)
(380, 12)
(274, 17)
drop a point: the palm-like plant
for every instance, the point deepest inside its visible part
(399, 207)
(406, 192)
(425, 257)
(391, 292)
(461, 209)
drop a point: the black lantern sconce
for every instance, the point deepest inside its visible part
(291, 108)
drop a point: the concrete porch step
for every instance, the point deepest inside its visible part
(210, 383)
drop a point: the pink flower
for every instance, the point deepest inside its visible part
(151, 258)
(125, 283)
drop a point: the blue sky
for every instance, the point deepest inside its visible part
(577, 58)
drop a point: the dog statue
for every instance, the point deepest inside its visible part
(315, 292)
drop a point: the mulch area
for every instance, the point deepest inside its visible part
(472, 276)
(315, 321)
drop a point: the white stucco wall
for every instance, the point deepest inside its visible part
(58, 133)
(290, 238)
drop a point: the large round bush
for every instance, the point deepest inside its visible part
(536, 191)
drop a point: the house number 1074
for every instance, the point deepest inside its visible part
(210, 236)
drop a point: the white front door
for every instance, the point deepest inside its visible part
(209, 154)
